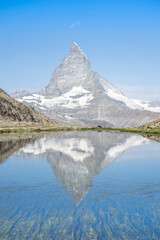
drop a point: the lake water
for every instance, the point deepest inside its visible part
(79, 185)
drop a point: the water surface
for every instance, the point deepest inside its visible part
(84, 185)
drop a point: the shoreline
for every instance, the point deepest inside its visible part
(76, 128)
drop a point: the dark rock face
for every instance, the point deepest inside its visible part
(13, 110)
(78, 96)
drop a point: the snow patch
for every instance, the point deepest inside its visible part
(79, 97)
(76, 97)
(112, 93)
(131, 103)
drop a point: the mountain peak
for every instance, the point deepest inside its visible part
(75, 49)
(78, 96)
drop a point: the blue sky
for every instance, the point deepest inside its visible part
(120, 38)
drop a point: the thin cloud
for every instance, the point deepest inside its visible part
(74, 25)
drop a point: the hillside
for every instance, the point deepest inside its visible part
(152, 125)
(13, 111)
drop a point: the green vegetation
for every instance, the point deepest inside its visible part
(77, 128)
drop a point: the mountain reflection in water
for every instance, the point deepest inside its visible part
(10, 143)
(76, 157)
(79, 185)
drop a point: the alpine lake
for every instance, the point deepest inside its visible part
(79, 185)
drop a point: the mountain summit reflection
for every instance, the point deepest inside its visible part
(76, 157)
(79, 185)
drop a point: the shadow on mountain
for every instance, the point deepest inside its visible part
(76, 157)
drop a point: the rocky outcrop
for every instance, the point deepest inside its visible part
(152, 125)
(13, 110)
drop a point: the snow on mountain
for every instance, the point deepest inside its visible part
(132, 103)
(76, 97)
(146, 105)
(77, 93)
(79, 97)
(114, 93)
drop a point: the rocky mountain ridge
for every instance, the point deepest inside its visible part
(78, 96)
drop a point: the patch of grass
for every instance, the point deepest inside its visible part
(77, 128)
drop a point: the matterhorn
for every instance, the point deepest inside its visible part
(76, 95)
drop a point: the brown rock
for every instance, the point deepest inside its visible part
(13, 110)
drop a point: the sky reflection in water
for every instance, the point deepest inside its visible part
(86, 185)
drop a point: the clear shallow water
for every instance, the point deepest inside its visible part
(86, 185)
